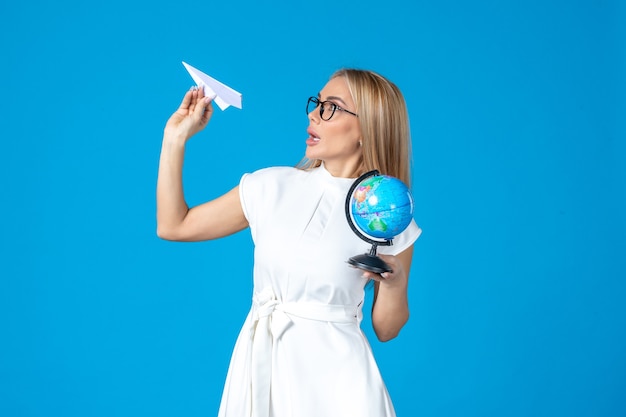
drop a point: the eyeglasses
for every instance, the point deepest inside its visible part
(327, 108)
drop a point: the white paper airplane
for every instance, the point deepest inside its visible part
(222, 94)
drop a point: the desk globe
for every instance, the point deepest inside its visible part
(378, 208)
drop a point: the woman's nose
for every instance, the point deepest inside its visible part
(314, 115)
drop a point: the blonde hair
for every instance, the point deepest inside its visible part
(384, 122)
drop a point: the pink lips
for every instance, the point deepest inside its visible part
(313, 138)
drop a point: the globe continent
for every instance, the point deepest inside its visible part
(382, 207)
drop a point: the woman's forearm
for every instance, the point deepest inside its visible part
(391, 306)
(171, 205)
(391, 309)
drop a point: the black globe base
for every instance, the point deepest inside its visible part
(370, 263)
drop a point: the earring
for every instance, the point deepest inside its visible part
(360, 143)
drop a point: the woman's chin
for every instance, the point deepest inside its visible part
(311, 154)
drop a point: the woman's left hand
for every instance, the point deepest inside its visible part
(397, 274)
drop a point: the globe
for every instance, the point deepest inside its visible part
(381, 206)
(377, 207)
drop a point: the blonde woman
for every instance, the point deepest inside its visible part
(301, 351)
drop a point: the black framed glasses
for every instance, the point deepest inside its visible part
(327, 108)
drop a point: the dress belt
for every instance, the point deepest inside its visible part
(270, 319)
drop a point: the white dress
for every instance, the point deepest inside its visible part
(301, 351)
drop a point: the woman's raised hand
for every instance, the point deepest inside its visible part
(192, 115)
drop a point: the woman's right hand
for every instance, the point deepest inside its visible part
(192, 116)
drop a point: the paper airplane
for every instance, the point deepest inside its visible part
(222, 94)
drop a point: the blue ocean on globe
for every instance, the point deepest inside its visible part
(381, 207)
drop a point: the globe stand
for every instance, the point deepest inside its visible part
(370, 262)
(367, 261)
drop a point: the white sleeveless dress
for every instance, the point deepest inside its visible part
(301, 351)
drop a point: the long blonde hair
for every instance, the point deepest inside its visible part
(384, 122)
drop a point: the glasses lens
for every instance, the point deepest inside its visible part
(328, 109)
(311, 104)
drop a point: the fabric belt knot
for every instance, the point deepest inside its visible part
(268, 325)
(270, 319)
(268, 313)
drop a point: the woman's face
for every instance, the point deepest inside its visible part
(335, 141)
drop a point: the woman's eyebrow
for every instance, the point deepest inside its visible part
(333, 98)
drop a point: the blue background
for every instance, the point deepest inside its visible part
(517, 113)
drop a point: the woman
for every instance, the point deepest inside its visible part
(301, 351)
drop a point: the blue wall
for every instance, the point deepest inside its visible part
(517, 112)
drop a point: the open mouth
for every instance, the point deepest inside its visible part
(313, 136)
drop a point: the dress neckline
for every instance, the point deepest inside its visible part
(328, 177)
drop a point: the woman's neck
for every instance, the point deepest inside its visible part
(342, 169)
